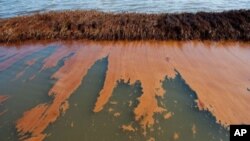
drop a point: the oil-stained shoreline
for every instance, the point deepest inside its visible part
(228, 25)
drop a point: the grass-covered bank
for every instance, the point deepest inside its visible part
(228, 25)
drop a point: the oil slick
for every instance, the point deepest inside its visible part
(68, 78)
(136, 63)
(59, 54)
(28, 64)
(217, 72)
(211, 69)
(17, 54)
(3, 98)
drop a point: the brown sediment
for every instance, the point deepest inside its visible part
(130, 103)
(128, 128)
(159, 128)
(176, 136)
(194, 129)
(229, 25)
(168, 115)
(117, 114)
(110, 110)
(37, 138)
(69, 78)
(151, 139)
(200, 104)
(64, 107)
(72, 124)
(113, 102)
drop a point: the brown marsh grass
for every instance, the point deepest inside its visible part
(228, 25)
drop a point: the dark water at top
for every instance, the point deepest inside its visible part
(10, 8)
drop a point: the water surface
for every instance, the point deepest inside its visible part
(10, 8)
(138, 90)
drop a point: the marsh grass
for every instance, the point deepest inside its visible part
(229, 25)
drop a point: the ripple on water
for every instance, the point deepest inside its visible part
(10, 8)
